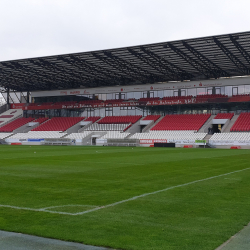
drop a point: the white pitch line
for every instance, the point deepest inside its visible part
(70, 205)
(35, 209)
(123, 201)
(158, 191)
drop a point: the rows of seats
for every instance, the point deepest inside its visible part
(92, 119)
(78, 135)
(4, 135)
(152, 117)
(224, 116)
(170, 135)
(115, 135)
(233, 136)
(6, 116)
(242, 123)
(38, 135)
(211, 96)
(41, 120)
(148, 99)
(15, 124)
(120, 119)
(182, 122)
(106, 127)
(240, 98)
(114, 100)
(9, 115)
(58, 124)
(176, 97)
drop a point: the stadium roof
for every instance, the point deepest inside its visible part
(191, 59)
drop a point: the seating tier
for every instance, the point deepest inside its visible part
(92, 119)
(120, 119)
(115, 135)
(224, 116)
(78, 135)
(9, 115)
(58, 124)
(107, 127)
(170, 135)
(15, 124)
(41, 120)
(182, 122)
(148, 99)
(242, 123)
(4, 135)
(38, 135)
(152, 117)
(233, 136)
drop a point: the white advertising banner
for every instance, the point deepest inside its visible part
(182, 141)
(152, 141)
(230, 143)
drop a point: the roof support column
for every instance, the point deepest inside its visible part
(8, 95)
(28, 97)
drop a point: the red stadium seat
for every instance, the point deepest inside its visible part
(182, 122)
(15, 124)
(242, 123)
(58, 124)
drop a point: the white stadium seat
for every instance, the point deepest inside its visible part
(107, 127)
(38, 135)
(4, 135)
(170, 135)
(233, 136)
(78, 135)
(115, 135)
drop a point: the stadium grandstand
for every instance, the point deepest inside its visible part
(186, 92)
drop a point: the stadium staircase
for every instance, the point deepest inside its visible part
(23, 129)
(59, 124)
(15, 124)
(145, 130)
(75, 128)
(153, 119)
(227, 127)
(207, 124)
(135, 128)
(207, 137)
(86, 126)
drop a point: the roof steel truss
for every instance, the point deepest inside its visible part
(199, 58)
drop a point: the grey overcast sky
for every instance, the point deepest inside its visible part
(32, 28)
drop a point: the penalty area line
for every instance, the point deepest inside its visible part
(118, 202)
(36, 209)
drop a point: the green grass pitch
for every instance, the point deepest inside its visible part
(107, 196)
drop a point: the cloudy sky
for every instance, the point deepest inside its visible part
(32, 28)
